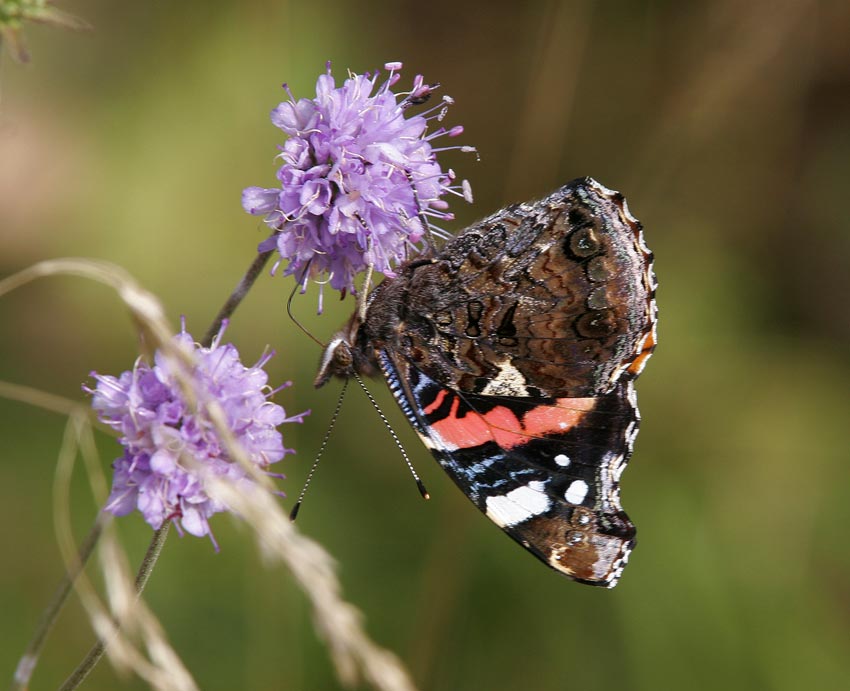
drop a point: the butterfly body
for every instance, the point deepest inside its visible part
(512, 350)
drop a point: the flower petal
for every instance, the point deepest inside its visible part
(259, 200)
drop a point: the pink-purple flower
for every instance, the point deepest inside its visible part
(169, 446)
(360, 184)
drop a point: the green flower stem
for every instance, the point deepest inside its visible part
(93, 657)
(29, 659)
(237, 295)
(96, 653)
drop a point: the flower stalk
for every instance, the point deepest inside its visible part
(238, 294)
(29, 659)
(96, 652)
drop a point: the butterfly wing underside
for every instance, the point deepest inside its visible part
(546, 472)
(513, 353)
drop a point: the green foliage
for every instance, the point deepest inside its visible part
(723, 125)
(15, 13)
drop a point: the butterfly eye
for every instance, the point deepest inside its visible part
(336, 361)
(342, 357)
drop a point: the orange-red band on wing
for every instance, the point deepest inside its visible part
(501, 425)
(436, 403)
(640, 361)
(557, 418)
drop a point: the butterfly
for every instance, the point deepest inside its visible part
(513, 351)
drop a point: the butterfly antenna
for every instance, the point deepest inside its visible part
(294, 512)
(419, 484)
(292, 316)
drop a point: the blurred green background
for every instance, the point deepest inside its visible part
(726, 125)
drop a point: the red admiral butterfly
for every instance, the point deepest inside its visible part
(513, 351)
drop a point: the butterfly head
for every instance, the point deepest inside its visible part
(341, 358)
(337, 361)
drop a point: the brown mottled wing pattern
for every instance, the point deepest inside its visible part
(551, 298)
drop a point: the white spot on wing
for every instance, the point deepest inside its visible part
(576, 492)
(519, 504)
(562, 460)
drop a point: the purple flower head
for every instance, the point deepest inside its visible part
(359, 179)
(159, 431)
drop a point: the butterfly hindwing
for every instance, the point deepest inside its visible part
(546, 472)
